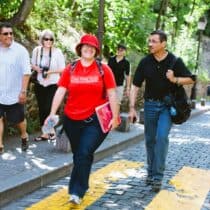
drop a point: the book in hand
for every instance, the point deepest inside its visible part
(104, 114)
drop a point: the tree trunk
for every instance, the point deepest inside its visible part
(177, 16)
(159, 15)
(23, 12)
(165, 5)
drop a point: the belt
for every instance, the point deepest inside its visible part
(89, 119)
(154, 100)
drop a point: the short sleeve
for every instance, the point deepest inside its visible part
(65, 77)
(139, 75)
(25, 62)
(181, 70)
(127, 68)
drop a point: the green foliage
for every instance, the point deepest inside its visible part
(8, 8)
(128, 24)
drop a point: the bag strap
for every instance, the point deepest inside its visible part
(37, 50)
(41, 56)
(173, 62)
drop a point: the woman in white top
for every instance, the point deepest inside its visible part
(49, 63)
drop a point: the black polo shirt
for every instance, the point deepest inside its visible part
(119, 69)
(154, 73)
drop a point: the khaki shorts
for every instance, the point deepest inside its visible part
(120, 91)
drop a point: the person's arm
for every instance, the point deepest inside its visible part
(181, 74)
(128, 77)
(26, 71)
(112, 96)
(178, 80)
(34, 60)
(133, 95)
(57, 99)
(128, 84)
(23, 91)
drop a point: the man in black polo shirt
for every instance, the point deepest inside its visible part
(155, 70)
(121, 69)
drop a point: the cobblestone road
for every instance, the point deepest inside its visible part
(189, 146)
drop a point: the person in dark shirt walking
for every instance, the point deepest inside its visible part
(155, 70)
(121, 69)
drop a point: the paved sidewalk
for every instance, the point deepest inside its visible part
(23, 172)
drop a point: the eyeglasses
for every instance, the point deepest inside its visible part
(48, 39)
(7, 33)
(153, 41)
(121, 49)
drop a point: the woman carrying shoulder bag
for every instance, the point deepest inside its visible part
(48, 61)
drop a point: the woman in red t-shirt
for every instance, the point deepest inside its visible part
(85, 85)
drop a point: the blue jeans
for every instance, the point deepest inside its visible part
(157, 127)
(85, 137)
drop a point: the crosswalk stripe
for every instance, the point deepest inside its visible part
(191, 187)
(100, 182)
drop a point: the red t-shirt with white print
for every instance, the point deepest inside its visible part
(85, 87)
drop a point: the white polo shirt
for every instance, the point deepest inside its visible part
(14, 64)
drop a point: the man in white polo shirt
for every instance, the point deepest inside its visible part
(14, 77)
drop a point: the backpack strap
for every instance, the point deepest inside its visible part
(100, 67)
(173, 62)
(98, 62)
(73, 65)
(101, 71)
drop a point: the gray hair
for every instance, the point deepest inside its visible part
(44, 33)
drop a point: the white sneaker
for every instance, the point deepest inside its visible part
(75, 199)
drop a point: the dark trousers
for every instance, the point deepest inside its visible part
(44, 96)
(85, 138)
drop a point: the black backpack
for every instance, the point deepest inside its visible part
(179, 101)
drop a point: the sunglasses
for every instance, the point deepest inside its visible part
(48, 39)
(7, 33)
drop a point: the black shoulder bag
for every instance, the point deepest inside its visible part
(179, 101)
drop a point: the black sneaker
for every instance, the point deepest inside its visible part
(156, 185)
(149, 180)
(24, 144)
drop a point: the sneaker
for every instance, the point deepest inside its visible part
(156, 186)
(149, 180)
(75, 199)
(24, 143)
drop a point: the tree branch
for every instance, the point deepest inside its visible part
(23, 12)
